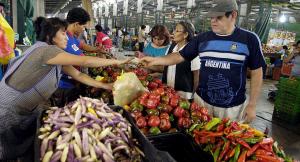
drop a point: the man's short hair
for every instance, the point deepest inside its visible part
(79, 15)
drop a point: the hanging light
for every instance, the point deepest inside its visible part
(282, 19)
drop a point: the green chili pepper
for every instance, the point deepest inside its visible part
(212, 123)
(216, 154)
(237, 152)
(253, 140)
(193, 127)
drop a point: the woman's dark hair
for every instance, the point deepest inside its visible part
(79, 15)
(46, 29)
(98, 28)
(162, 32)
(285, 47)
(143, 26)
(189, 28)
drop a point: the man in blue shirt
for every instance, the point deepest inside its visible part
(225, 53)
(69, 89)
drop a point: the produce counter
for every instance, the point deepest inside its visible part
(87, 129)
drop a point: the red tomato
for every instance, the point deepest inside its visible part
(184, 122)
(154, 121)
(141, 122)
(194, 106)
(136, 115)
(174, 101)
(159, 91)
(164, 116)
(152, 85)
(165, 125)
(158, 81)
(178, 112)
(152, 103)
(204, 110)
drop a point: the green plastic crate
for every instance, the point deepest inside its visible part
(279, 115)
(288, 86)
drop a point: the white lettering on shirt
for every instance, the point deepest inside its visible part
(75, 48)
(217, 64)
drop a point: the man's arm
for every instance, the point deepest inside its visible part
(255, 88)
(196, 79)
(170, 59)
(85, 79)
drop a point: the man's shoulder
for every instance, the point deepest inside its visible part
(249, 34)
(205, 36)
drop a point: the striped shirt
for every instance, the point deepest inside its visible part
(224, 63)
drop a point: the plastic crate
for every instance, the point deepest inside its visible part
(181, 147)
(151, 153)
(286, 69)
(287, 85)
(276, 73)
(279, 115)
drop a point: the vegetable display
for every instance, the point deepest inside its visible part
(87, 130)
(162, 110)
(234, 142)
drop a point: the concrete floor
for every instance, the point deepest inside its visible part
(286, 134)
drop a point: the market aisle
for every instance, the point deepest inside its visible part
(286, 134)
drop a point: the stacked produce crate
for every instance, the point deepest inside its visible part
(287, 101)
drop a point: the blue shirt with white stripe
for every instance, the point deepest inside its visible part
(224, 63)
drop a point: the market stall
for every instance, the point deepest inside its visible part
(88, 129)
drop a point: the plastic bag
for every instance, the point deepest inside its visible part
(6, 41)
(127, 88)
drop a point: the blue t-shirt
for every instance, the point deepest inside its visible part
(224, 62)
(149, 50)
(73, 45)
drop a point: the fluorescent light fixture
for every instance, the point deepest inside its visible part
(282, 19)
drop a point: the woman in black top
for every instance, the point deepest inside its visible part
(182, 77)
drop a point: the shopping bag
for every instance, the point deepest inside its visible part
(127, 88)
(6, 41)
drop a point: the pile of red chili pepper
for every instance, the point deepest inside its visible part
(234, 142)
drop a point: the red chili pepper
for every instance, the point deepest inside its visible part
(243, 143)
(267, 147)
(262, 152)
(220, 127)
(235, 125)
(220, 143)
(225, 120)
(229, 154)
(227, 130)
(225, 149)
(253, 149)
(267, 141)
(248, 134)
(242, 157)
(267, 158)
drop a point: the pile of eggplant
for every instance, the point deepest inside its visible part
(87, 130)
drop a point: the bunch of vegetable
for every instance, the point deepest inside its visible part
(231, 141)
(162, 110)
(86, 130)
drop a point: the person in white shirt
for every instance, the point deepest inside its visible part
(142, 38)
